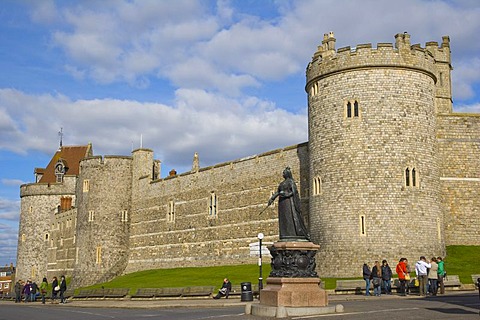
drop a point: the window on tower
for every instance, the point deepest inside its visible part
(317, 186)
(352, 109)
(212, 207)
(411, 177)
(171, 211)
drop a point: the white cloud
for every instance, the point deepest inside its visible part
(12, 182)
(217, 127)
(473, 108)
(465, 76)
(9, 209)
(8, 244)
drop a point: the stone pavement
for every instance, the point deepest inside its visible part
(206, 302)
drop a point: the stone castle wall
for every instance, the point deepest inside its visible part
(194, 235)
(459, 148)
(351, 176)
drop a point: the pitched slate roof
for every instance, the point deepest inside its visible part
(71, 156)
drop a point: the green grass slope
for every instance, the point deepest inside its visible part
(460, 260)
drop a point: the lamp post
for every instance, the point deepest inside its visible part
(260, 276)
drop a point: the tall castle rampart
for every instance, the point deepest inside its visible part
(103, 205)
(210, 216)
(459, 148)
(372, 142)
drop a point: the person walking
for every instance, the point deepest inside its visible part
(366, 276)
(63, 288)
(421, 271)
(401, 271)
(43, 289)
(377, 279)
(441, 274)
(386, 277)
(55, 289)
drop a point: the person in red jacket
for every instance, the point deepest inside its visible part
(401, 270)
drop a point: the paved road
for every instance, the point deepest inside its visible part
(463, 306)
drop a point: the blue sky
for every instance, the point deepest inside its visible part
(221, 78)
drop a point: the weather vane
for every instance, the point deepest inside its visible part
(60, 134)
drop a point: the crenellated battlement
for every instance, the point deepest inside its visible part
(402, 54)
(36, 189)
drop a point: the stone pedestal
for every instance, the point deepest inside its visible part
(293, 286)
(293, 292)
(293, 281)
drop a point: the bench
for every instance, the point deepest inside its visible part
(356, 286)
(102, 293)
(97, 293)
(83, 294)
(145, 293)
(116, 292)
(151, 293)
(169, 292)
(475, 277)
(198, 291)
(68, 293)
(452, 281)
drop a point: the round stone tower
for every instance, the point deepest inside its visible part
(374, 171)
(103, 222)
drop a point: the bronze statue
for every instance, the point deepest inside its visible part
(290, 221)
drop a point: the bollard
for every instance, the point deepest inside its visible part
(478, 286)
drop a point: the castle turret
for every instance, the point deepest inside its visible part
(374, 168)
(103, 222)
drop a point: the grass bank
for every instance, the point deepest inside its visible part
(460, 260)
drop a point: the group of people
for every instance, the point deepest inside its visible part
(28, 291)
(429, 276)
(380, 276)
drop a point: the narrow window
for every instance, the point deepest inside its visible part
(213, 205)
(439, 230)
(440, 79)
(124, 217)
(355, 109)
(99, 255)
(86, 185)
(407, 177)
(362, 225)
(34, 272)
(349, 110)
(171, 211)
(414, 182)
(91, 215)
(23, 237)
(46, 236)
(317, 186)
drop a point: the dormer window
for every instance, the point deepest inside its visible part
(59, 171)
